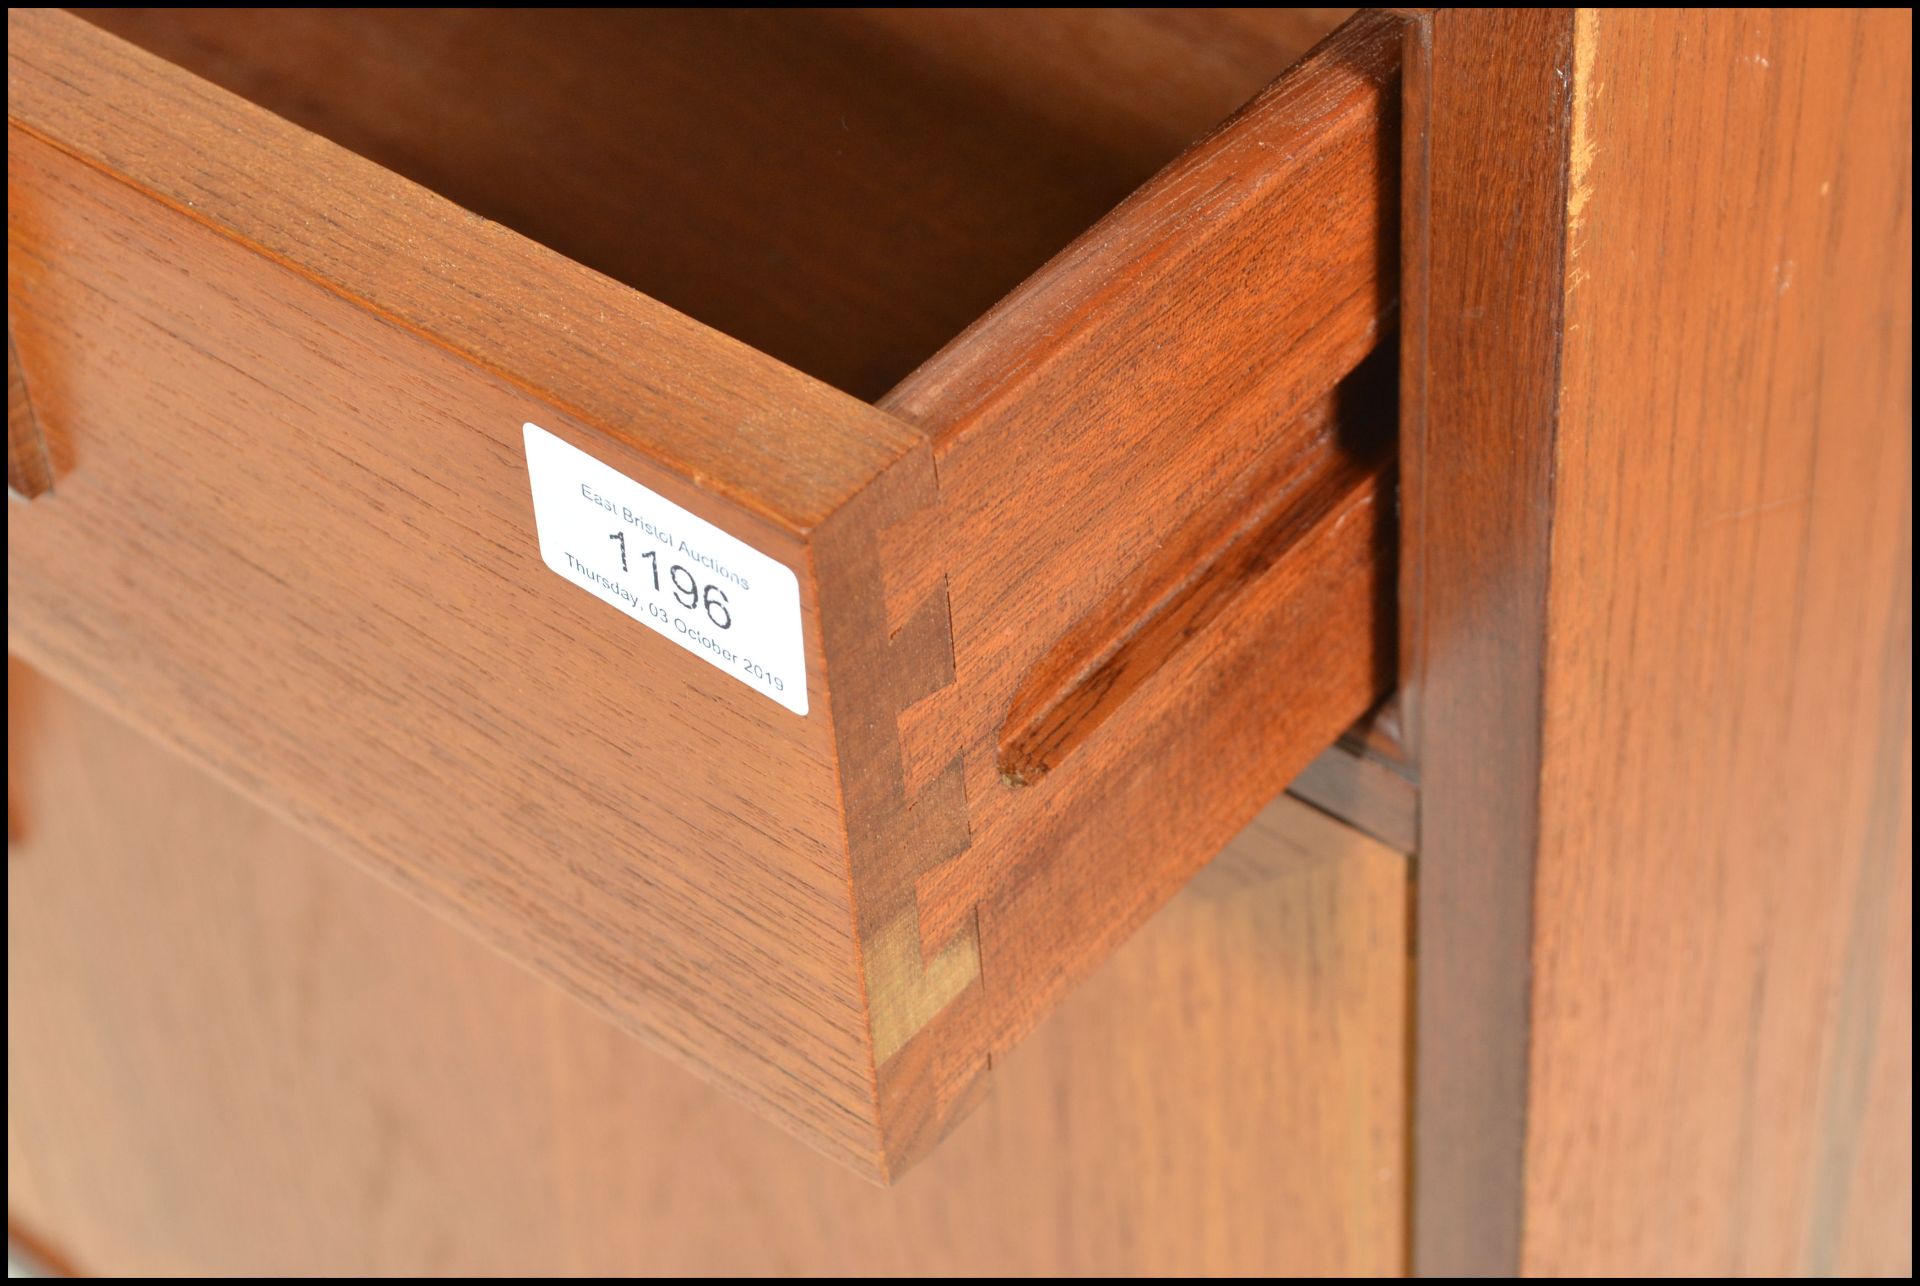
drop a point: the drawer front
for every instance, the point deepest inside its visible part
(1074, 601)
(291, 531)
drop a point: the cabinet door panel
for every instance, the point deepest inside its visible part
(231, 1052)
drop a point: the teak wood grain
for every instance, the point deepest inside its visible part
(292, 532)
(1110, 404)
(1486, 125)
(282, 390)
(233, 1053)
(1664, 512)
(1722, 1000)
(845, 190)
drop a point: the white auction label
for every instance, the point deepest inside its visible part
(678, 574)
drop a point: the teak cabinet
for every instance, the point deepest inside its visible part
(825, 536)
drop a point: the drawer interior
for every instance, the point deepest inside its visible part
(844, 190)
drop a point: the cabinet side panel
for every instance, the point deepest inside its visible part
(1722, 958)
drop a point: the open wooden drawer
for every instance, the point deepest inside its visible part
(821, 742)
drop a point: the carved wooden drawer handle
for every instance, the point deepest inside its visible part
(29, 472)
